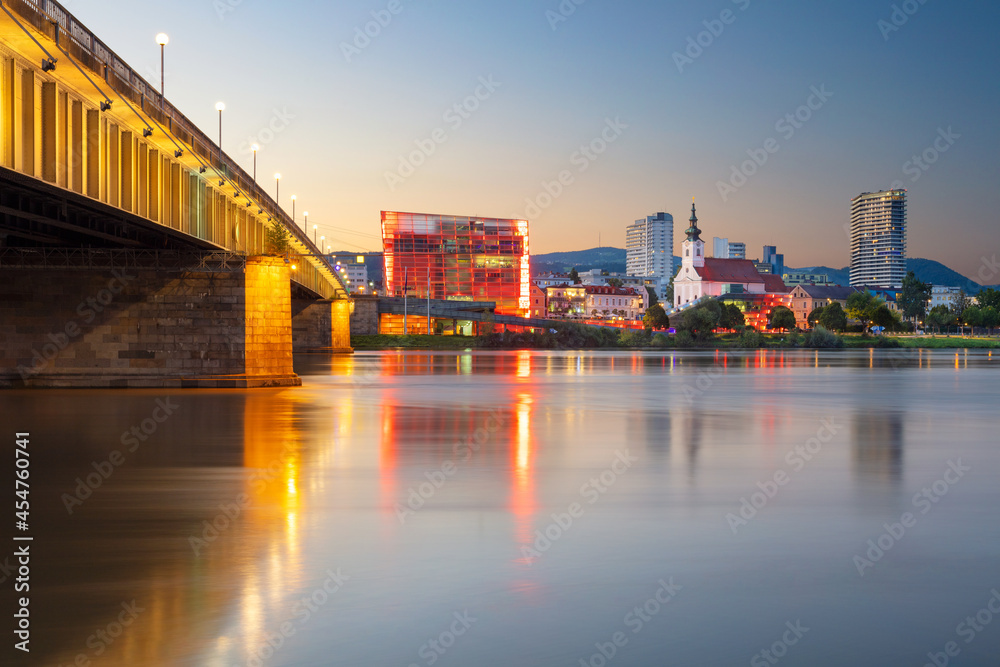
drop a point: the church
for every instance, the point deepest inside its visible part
(710, 276)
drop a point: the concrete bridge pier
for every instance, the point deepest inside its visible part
(321, 326)
(213, 326)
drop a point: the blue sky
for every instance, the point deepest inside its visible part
(336, 126)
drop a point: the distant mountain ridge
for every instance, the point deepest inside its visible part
(613, 261)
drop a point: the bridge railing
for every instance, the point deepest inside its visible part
(53, 20)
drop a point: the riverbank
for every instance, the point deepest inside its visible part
(725, 341)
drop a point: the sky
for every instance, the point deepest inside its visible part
(585, 115)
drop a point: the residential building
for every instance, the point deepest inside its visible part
(551, 279)
(599, 277)
(353, 273)
(458, 258)
(878, 239)
(649, 246)
(803, 278)
(807, 298)
(726, 249)
(605, 302)
(943, 296)
(701, 276)
(566, 302)
(539, 308)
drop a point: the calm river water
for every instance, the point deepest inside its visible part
(523, 508)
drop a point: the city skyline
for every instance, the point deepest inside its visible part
(532, 89)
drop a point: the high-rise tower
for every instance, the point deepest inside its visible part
(878, 239)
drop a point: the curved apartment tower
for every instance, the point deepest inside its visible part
(878, 239)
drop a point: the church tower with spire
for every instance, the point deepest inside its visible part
(694, 247)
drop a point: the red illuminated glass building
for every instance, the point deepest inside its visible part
(459, 259)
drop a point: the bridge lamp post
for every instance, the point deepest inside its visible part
(277, 189)
(162, 39)
(293, 207)
(220, 107)
(255, 148)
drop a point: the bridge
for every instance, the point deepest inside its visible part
(133, 251)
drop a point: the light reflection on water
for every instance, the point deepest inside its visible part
(365, 469)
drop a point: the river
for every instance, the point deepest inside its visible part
(523, 508)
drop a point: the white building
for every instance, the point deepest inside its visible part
(726, 249)
(626, 303)
(878, 239)
(944, 296)
(649, 246)
(700, 276)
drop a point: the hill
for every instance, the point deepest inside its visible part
(613, 260)
(927, 270)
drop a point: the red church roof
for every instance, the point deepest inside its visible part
(730, 271)
(774, 284)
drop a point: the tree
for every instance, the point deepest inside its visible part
(781, 318)
(701, 320)
(814, 316)
(961, 303)
(615, 282)
(277, 239)
(989, 298)
(833, 317)
(861, 306)
(652, 296)
(574, 276)
(940, 316)
(731, 317)
(972, 317)
(882, 317)
(991, 317)
(669, 296)
(655, 318)
(914, 297)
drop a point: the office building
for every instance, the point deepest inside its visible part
(878, 239)
(774, 260)
(726, 249)
(458, 258)
(649, 246)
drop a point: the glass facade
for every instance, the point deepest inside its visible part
(458, 258)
